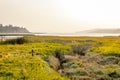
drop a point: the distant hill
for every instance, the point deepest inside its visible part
(12, 29)
(112, 31)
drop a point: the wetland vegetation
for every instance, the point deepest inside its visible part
(60, 58)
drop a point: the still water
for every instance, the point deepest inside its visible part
(79, 34)
(65, 34)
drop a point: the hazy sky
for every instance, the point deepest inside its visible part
(60, 15)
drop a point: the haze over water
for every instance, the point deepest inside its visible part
(60, 16)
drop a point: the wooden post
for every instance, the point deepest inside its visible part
(33, 53)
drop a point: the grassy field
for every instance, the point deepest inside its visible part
(60, 58)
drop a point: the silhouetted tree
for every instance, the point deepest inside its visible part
(12, 29)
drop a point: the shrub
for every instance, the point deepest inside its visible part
(119, 63)
(109, 60)
(54, 62)
(60, 57)
(15, 41)
(81, 49)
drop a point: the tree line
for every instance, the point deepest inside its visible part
(12, 29)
